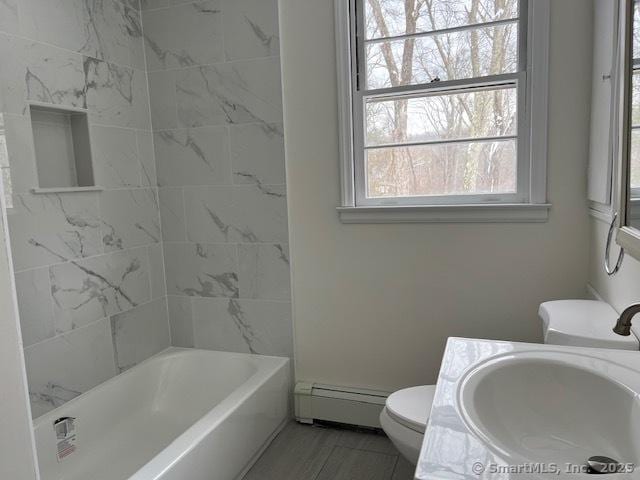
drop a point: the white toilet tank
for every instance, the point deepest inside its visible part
(583, 323)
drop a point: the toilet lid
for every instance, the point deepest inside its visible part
(411, 407)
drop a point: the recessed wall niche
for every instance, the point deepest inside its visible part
(62, 147)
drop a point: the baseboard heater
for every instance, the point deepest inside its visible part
(354, 406)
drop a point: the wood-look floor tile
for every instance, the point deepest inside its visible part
(374, 442)
(349, 464)
(297, 453)
(404, 470)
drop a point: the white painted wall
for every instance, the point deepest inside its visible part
(622, 289)
(374, 304)
(17, 454)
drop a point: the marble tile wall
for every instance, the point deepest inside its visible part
(89, 266)
(188, 242)
(216, 111)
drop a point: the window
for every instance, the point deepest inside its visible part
(634, 160)
(438, 106)
(5, 170)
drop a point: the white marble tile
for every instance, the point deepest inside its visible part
(250, 28)
(120, 34)
(156, 271)
(172, 214)
(238, 92)
(52, 75)
(264, 271)
(147, 158)
(257, 153)
(38, 72)
(12, 85)
(47, 229)
(211, 215)
(135, 4)
(261, 213)
(117, 34)
(9, 16)
(103, 29)
(140, 333)
(117, 95)
(151, 4)
(64, 23)
(61, 368)
(199, 270)
(130, 218)
(86, 290)
(248, 326)
(35, 306)
(162, 94)
(180, 320)
(242, 213)
(198, 156)
(116, 162)
(20, 152)
(184, 35)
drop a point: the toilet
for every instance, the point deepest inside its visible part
(578, 323)
(404, 419)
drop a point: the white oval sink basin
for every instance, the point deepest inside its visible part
(560, 408)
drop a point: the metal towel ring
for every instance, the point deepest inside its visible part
(607, 261)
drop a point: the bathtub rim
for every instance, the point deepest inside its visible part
(187, 440)
(167, 352)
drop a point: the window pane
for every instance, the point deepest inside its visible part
(471, 114)
(447, 169)
(464, 54)
(634, 174)
(635, 99)
(386, 18)
(636, 30)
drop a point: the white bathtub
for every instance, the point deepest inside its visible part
(183, 414)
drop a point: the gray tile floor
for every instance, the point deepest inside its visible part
(306, 452)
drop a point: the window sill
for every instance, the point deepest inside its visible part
(485, 213)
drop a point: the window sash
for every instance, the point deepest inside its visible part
(359, 94)
(443, 31)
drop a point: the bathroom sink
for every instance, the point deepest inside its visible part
(551, 406)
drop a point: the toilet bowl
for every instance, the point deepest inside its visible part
(584, 323)
(404, 419)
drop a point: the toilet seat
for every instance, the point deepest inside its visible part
(411, 407)
(404, 419)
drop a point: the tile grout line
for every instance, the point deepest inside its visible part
(73, 52)
(152, 180)
(92, 323)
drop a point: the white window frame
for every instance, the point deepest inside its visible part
(529, 204)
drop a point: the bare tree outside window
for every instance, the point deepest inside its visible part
(457, 142)
(634, 166)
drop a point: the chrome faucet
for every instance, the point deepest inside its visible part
(623, 325)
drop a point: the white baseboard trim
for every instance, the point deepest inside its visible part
(354, 406)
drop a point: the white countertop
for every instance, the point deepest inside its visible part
(450, 449)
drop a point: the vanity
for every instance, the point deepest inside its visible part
(518, 411)
(522, 411)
